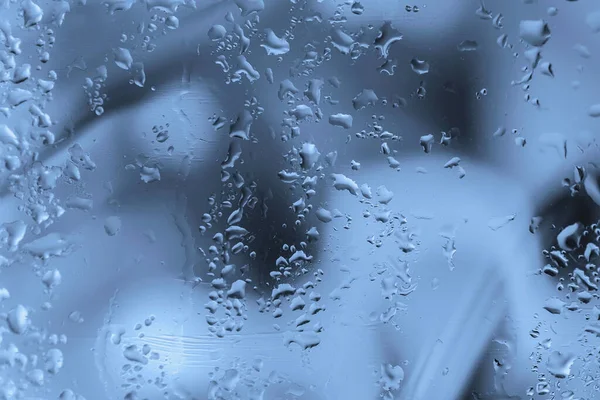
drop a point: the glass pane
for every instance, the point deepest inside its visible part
(299, 199)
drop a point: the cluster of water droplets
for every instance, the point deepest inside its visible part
(308, 101)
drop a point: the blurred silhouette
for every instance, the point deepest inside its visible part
(430, 293)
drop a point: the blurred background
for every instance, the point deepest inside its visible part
(298, 199)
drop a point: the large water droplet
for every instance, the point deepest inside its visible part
(559, 364)
(32, 13)
(341, 120)
(112, 225)
(217, 32)
(554, 305)
(274, 45)
(419, 66)
(594, 110)
(18, 320)
(7, 136)
(309, 154)
(248, 7)
(341, 41)
(534, 32)
(366, 97)
(241, 127)
(569, 238)
(123, 58)
(593, 21)
(342, 182)
(357, 8)
(387, 36)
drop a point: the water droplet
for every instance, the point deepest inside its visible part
(237, 290)
(52, 278)
(306, 340)
(593, 21)
(217, 32)
(534, 32)
(7, 136)
(309, 154)
(274, 45)
(391, 377)
(341, 120)
(68, 394)
(502, 40)
(341, 41)
(15, 232)
(324, 215)
(569, 238)
(32, 13)
(542, 388)
(118, 5)
(533, 56)
(554, 305)
(248, 7)
(172, 22)
(313, 92)
(385, 195)
(233, 154)
(556, 141)
(112, 225)
(138, 74)
(244, 68)
(482, 12)
(594, 110)
(302, 112)
(18, 320)
(18, 96)
(365, 98)
(419, 66)
(468, 45)
(36, 377)
(453, 162)
(4, 294)
(387, 36)
(342, 182)
(241, 127)
(559, 364)
(357, 8)
(269, 75)
(582, 50)
(133, 354)
(22, 73)
(123, 58)
(53, 244)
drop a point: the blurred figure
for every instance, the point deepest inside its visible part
(409, 282)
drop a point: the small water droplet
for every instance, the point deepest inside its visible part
(419, 66)
(468, 45)
(112, 225)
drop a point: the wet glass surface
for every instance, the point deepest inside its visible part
(299, 199)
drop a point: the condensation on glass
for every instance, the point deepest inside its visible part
(299, 199)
